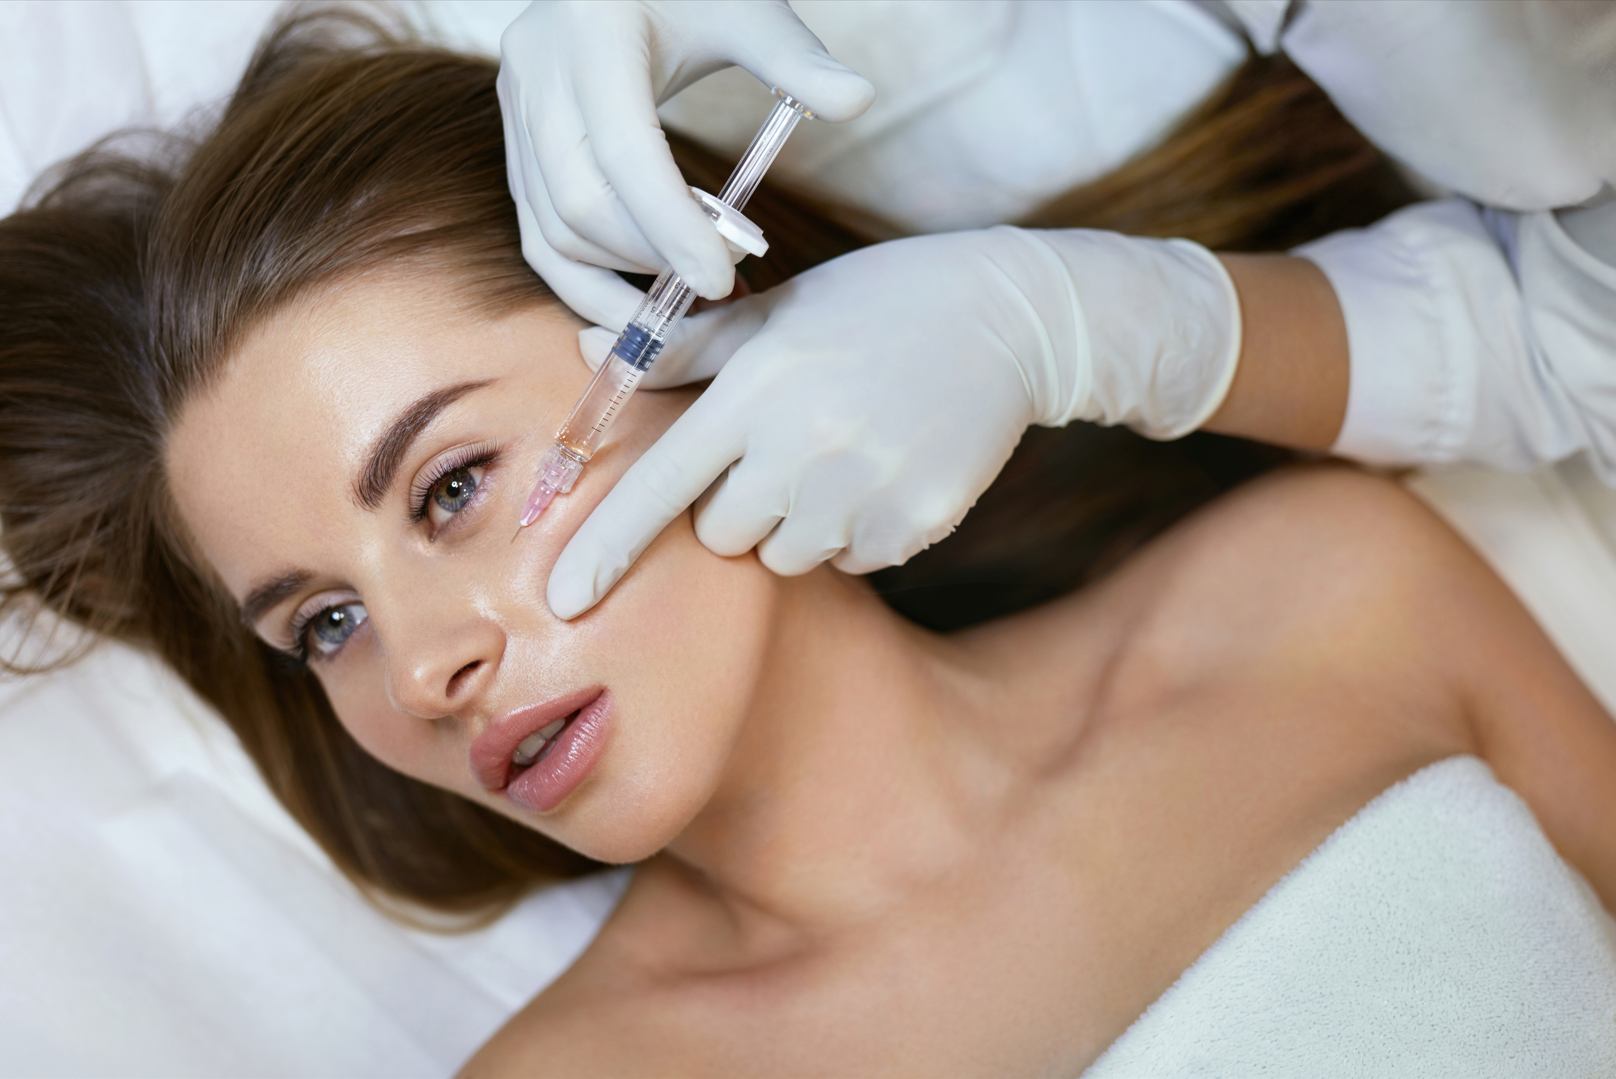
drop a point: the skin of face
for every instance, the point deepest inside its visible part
(262, 466)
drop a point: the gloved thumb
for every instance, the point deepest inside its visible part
(698, 348)
(786, 54)
(830, 89)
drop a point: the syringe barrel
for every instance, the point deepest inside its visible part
(666, 301)
(636, 348)
(586, 425)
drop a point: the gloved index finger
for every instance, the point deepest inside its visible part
(597, 294)
(632, 154)
(658, 487)
(577, 208)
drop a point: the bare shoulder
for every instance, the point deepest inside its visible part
(1301, 584)
(1330, 523)
(1337, 578)
(1336, 550)
(1318, 563)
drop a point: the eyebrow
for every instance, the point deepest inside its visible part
(388, 451)
(271, 592)
(370, 488)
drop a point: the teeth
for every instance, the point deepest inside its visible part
(528, 751)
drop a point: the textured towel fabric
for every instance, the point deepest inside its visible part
(1436, 933)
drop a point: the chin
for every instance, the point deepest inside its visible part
(680, 718)
(671, 748)
(621, 819)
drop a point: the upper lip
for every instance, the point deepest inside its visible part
(492, 749)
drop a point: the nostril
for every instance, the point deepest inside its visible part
(458, 681)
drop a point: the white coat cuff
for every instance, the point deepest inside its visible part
(1406, 404)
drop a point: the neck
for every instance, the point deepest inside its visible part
(873, 763)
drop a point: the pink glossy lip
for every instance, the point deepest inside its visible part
(491, 752)
(567, 761)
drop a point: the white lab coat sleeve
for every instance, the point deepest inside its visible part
(1475, 334)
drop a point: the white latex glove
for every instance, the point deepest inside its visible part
(595, 186)
(862, 407)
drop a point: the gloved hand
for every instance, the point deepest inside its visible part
(862, 407)
(594, 183)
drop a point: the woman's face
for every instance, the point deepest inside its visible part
(355, 478)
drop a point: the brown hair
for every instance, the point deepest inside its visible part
(124, 287)
(125, 283)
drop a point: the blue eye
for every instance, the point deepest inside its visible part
(450, 486)
(452, 492)
(330, 629)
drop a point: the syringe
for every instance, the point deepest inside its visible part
(664, 305)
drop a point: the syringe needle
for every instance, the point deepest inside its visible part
(537, 503)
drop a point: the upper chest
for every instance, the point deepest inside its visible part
(1030, 958)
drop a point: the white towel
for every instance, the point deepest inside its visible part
(1435, 933)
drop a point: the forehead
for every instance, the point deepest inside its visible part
(262, 461)
(365, 348)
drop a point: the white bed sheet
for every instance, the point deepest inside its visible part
(162, 915)
(72, 71)
(1551, 534)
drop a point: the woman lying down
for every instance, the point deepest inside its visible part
(271, 406)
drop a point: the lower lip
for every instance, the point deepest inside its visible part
(568, 760)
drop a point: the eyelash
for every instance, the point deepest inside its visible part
(466, 457)
(300, 636)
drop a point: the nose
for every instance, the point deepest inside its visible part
(440, 664)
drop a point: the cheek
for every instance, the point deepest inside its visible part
(357, 691)
(684, 626)
(698, 621)
(685, 641)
